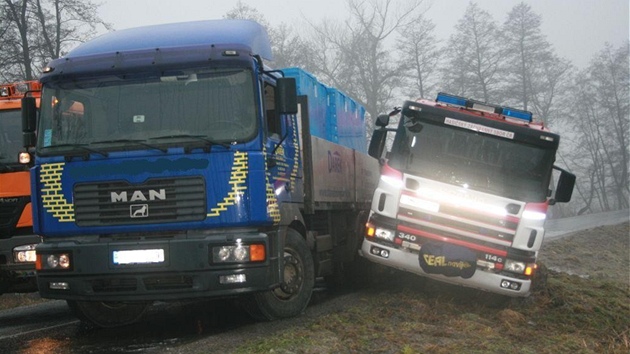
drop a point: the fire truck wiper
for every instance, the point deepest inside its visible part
(202, 138)
(131, 141)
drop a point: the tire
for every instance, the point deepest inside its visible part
(294, 293)
(108, 314)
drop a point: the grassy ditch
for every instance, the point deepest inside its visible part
(584, 312)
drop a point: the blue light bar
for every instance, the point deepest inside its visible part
(517, 113)
(451, 99)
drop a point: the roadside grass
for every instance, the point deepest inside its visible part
(581, 304)
(568, 315)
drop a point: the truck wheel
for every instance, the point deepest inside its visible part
(108, 314)
(294, 293)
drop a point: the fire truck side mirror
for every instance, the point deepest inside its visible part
(287, 96)
(382, 120)
(29, 121)
(566, 182)
(377, 143)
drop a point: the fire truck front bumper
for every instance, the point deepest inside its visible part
(408, 261)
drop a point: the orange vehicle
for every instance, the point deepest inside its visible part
(17, 241)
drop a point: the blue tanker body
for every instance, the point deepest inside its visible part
(170, 164)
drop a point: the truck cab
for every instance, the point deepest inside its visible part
(464, 193)
(172, 163)
(17, 240)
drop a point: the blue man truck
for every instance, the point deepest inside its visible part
(17, 240)
(464, 193)
(172, 163)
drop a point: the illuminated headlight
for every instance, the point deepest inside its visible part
(514, 266)
(55, 261)
(534, 215)
(24, 158)
(24, 254)
(238, 253)
(384, 234)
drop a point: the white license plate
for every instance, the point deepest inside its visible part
(138, 256)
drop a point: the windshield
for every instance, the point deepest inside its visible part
(10, 136)
(217, 105)
(472, 160)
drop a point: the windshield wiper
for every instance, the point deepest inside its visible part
(131, 141)
(202, 138)
(83, 147)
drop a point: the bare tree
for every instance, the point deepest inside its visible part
(355, 57)
(420, 55)
(245, 12)
(34, 32)
(549, 87)
(474, 55)
(534, 74)
(600, 118)
(64, 24)
(17, 61)
(290, 49)
(287, 46)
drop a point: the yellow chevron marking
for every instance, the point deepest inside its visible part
(53, 200)
(238, 175)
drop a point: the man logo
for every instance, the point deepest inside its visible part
(138, 196)
(139, 210)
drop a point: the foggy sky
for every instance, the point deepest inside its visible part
(577, 29)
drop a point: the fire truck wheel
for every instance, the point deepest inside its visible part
(108, 314)
(294, 293)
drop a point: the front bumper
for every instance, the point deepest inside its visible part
(16, 277)
(408, 261)
(187, 271)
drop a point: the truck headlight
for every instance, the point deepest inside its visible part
(25, 254)
(519, 267)
(54, 261)
(238, 253)
(384, 234)
(514, 266)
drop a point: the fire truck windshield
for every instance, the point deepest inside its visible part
(10, 136)
(473, 160)
(219, 105)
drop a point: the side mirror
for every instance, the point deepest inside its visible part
(29, 114)
(377, 143)
(564, 190)
(382, 120)
(29, 121)
(287, 96)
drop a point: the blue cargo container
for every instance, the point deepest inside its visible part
(349, 120)
(308, 85)
(334, 116)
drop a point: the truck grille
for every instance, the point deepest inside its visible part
(157, 200)
(10, 212)
(497, 229)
